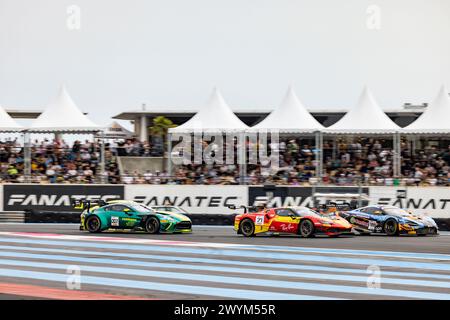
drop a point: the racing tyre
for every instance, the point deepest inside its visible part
(152, 225)
(306, 228)
(247, 228)
(391, 227)
(93, 224)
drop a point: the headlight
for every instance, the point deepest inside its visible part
(410, 223)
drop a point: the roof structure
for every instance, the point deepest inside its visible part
(8, 124)
(365, 117)
(290, 116)
(215, 116)
(435, 118)
(62, 115)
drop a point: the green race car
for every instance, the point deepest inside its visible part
(130, 215)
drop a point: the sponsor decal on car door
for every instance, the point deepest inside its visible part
(284, 224)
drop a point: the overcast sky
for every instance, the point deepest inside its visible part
(172, 52)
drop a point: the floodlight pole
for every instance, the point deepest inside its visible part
(394, 157)
(27, 156)
(397, 155)
(360, 190)
(334, 147)
(169, 155)
(319, 155)
(102, 158)
(242, 159)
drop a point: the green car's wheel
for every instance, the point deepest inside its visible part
(247, 228)
(93, 224)
(306, 228)
(152, 225)
(391, 227)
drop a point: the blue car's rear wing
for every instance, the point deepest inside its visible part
(344, 206)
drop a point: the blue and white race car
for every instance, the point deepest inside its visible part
(390, 220)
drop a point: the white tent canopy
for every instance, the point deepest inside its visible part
(8, 124)
(435, 119)
(116, 131)
(215, 116)
(366, 117)
(290, 116)
(62, 115)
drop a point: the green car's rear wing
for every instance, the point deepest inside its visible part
(82, 204)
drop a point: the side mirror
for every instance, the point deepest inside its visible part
(378, 212)
(127, 210)
(232, 207)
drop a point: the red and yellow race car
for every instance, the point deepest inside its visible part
(294, 220)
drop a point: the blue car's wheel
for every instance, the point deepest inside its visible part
(391, 227)
(93, 224)
(152, 225)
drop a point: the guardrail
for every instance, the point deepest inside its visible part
(33, 216)
(196, 218)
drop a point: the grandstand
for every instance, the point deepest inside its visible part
(395, 148)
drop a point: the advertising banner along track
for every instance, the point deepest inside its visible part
(194, 199)
(21, 197)
(215, 199)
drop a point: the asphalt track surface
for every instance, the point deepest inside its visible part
(42, 261)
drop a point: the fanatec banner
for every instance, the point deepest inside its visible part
(433, 201)
(194, 199)
(21, 197)
(285, 196)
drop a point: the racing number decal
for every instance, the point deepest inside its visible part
(259, 221)
(114, 221)
(372, 225)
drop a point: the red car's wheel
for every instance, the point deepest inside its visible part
(247, 228)
(306, 228)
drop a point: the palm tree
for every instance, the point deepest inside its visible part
(160, 129)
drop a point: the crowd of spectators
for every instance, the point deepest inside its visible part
(347, 161)
(54, 161)
(366, 161)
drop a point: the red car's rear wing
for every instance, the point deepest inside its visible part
(247, 209)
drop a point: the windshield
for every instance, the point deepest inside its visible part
(394, 211)
(302, 212)
(170, 209)
(141, 208)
